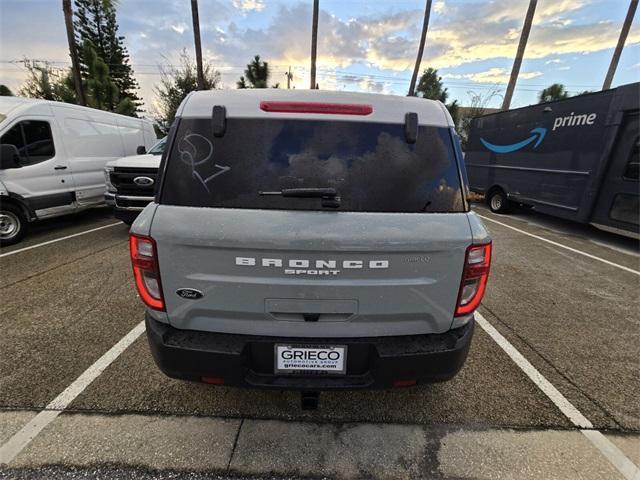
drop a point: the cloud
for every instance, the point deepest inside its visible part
(497, 12)
(249, 5)
(374, 86)
(387, 40)
(500, 75)
(341, 43)
(492, 75)
(379, 40)
(492, 32)
(180, 28)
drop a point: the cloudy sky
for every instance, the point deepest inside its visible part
(364, 45)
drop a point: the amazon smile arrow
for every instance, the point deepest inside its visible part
(538, 136)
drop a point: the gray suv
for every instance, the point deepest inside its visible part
(310, 240)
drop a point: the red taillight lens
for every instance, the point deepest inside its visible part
(144, 258)
(474, 278)
(317, 107)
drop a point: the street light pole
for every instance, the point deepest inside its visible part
(196, 37)
(423, 37)
(515, 71)
(633, 5)
(314, 43)
(73, 51)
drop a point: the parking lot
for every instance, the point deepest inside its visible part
(550, 389)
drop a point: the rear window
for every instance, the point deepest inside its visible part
(370, 166)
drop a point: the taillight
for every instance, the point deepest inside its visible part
(144, 258)
(317, 107)
(474, 278)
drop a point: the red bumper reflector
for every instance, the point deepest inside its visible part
(317, 107)
(404, 383)
(212, 380)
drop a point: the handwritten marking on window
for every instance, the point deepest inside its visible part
(194, 157)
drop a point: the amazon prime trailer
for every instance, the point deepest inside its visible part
(575, 158)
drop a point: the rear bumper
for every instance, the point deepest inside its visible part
(248, 361)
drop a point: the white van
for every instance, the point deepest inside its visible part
(52, 158)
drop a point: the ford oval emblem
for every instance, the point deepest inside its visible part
(143, 181)
(189, 293)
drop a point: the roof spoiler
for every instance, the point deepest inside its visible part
(411, 127)
(219, 120)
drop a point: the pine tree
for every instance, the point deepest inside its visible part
(176, 83)
(257, 74)
(47, 83)
(96, 22)
(101, 89)
(430, 86)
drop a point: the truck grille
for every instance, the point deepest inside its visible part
(122, 179)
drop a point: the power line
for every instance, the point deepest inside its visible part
(340, 74)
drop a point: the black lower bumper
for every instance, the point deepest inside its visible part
(125, 215)
(248, 361)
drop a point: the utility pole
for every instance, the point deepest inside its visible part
(423, 37)
(196, 37)
(314, 43)
(633, 5)
(515, 71)
(73, 51)
(289, 76)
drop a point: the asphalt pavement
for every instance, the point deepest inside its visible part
(567, 307)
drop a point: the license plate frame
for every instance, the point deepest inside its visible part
(308, 366)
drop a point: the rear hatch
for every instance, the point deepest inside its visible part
(240, 221)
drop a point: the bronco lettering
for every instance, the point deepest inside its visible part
(316, 265)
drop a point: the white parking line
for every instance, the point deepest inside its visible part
(21, 439)
(574, 250)
(617, 458)
(13, 252)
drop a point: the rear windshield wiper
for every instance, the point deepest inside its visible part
(330, 196)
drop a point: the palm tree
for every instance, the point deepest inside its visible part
(196, 37)
(553, 92)
(423, 37)
(618, 51)
(515, 71)
(73, 51)
(256, 73)
(314, 43)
